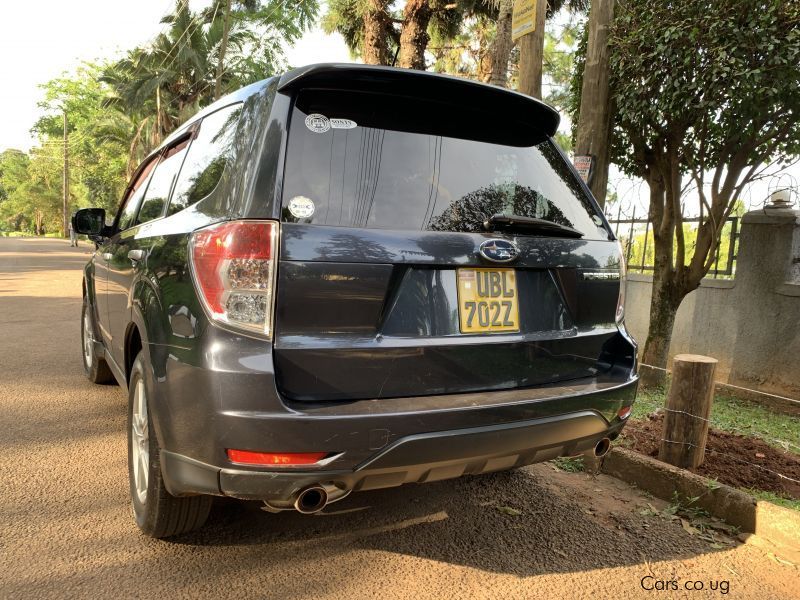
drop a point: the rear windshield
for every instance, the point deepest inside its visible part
(388, 162)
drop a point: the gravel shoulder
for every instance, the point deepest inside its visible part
(66, 528)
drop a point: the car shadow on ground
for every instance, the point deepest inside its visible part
(508, 522)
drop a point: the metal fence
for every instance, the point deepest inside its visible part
(637, 239)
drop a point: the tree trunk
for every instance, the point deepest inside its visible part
(223, 48)
(531, 55)
(500, 50)
(414, 35)
(594, 122)
(38, 222)
(376, 33)
(665, 295)
(662, 318)
(484, 58)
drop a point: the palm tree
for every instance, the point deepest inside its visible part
(199, 56)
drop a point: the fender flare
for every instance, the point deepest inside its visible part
(146, 316)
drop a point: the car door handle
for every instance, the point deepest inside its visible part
(136, 254)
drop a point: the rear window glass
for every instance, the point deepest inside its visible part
(370, 161)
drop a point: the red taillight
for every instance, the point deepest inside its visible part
(234, 270)
(246, 457)
(624, 412)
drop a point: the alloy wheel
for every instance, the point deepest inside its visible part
(140, 441)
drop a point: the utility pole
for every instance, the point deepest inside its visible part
(531, 49)
(223, 47)
(594, 120)
(66, 177)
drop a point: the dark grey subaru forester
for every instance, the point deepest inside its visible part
(349, 278)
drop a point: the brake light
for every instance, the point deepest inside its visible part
(620, 315)
(233, 264)
(247, 457)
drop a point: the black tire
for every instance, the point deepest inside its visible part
(159, 514)
(95, 367)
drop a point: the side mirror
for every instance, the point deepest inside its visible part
(89, 221)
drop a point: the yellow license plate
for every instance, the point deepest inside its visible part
(487, 300)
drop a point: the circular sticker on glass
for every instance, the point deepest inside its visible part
(318, 123)
(301, 207)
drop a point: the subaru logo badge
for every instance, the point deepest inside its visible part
(501, 251)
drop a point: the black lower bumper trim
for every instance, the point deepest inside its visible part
(418, 458)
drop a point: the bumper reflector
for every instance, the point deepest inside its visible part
(247, 457)
(624, 412)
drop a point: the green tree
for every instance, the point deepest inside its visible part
(99, 137)
(34, 202)
(13, 172)
(707, 92)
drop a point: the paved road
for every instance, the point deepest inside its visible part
(66, 528)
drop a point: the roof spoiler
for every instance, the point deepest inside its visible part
(410, 82)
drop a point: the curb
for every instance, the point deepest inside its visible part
(777, 524)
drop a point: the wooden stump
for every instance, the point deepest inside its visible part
(688, 409)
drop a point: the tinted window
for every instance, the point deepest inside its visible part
(207, 157)
(157, 194)
(131, 203)
(380, 162)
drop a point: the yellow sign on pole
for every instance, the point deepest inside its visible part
(523, 18)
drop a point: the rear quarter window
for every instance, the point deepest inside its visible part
(369, 161)
(207, 158)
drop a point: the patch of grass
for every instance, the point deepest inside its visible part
(774, 498)
(735, 416)
(648, 401)
(570, 465)
(685, 506)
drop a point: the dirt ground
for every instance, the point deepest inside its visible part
(66, 529)
(731, 459)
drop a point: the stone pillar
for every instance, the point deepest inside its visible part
(769, 248)
(767, 302)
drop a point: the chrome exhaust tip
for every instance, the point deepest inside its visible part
(311, 500)
(602, 447)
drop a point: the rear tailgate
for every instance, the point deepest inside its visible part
(351, 328)
(382, 287)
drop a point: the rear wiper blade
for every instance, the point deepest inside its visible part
(521, 223)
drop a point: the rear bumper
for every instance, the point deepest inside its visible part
(422, 456)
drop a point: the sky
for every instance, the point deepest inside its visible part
(41, 40)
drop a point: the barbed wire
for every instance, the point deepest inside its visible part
(719, 425)
(730, 385)
(637, 431)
